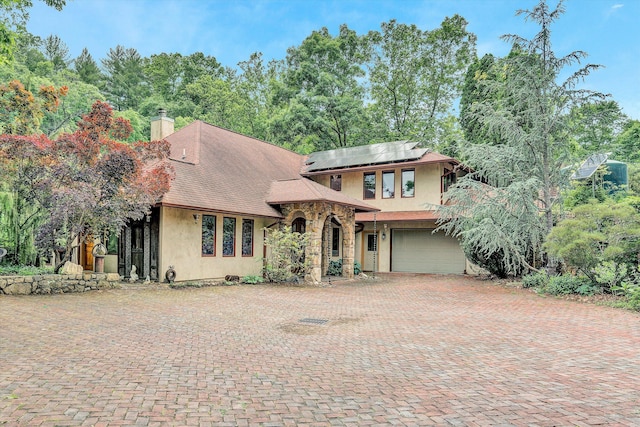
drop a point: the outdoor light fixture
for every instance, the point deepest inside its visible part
(384, 232)
(196, 217)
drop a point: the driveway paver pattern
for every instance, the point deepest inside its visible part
(413, 350)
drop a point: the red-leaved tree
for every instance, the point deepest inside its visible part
(90, 183)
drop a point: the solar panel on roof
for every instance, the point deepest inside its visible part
(385, 152)
(589, 166)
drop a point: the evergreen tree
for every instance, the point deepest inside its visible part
(87, 68)
(125, 84)
(57, 52)
(508, 219)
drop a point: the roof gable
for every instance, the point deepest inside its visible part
(218, 169)
(303, 190)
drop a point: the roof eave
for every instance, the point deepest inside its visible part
(275, 214)
(378, 166)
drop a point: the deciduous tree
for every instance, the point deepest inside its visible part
(88, 182)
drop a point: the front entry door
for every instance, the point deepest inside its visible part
(139, 245)
(370, 256)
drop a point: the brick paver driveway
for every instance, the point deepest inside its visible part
(404, 350)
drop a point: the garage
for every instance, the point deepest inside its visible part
(422, 251)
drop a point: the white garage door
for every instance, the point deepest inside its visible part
(420, 251)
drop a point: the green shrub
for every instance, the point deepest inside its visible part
(567, 285)
(24, 270)
(357, 268)
(252, 280)
(537, 280)
(286, 260)
(335, 268)
(610, 274)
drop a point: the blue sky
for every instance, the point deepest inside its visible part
(231, 30)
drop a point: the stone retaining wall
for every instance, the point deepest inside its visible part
(57, 283)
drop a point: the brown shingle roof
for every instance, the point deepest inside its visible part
(217, 169)
(304, 190)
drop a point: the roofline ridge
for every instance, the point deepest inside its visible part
(249, 136)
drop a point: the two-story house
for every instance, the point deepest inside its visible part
(368, 204)
(404, 181)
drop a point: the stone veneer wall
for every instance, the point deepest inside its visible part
(57, 283)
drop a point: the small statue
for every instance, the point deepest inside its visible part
(133, 276)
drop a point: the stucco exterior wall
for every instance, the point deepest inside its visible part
(427, 187)
(181, 246)
(383, 262)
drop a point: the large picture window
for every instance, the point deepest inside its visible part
(388, 184)
(369, 183)
(247, 237)
(229, 237)
(208, 235)
(408, 182)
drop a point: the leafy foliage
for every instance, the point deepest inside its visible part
(568, 284)
(535, 280)
(415, 75)
(251, 280)
(286, 257)
(597, 233)
(87, 182)
(335, 268)
(24, 270)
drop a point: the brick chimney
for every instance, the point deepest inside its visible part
(161, 126)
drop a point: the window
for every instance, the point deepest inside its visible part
(408, 182)
(371, 242)
(336, 182)
(208, 235)
(448, 179)
(370, 185)
(247, 237)
(335, 242)
(229, 237)
(388, 184)
(299, 225)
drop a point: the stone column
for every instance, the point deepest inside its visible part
(314, 252)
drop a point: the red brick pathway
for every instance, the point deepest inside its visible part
(404, 350)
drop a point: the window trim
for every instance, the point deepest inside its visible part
(393, 173)
(364, 188)
(232, 234)
(215, 235)
(402, 183)
(248, 221)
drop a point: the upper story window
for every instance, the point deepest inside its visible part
(229, 237)
(369, 184)
(208, 235)
(336, 182)
(388, 184)
(448, 179)
(408, 182)
(247, 237)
